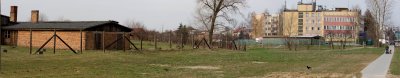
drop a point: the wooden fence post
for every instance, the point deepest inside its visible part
(226, 41)
(123, 41)
(30, 41)
(54, 41)
(182, 41)
(103, 43)
(81, 42)
(155, 41)
(141, 43)
(193, 40)
(170, 42)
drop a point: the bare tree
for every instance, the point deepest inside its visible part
(371, 27)
(213, 13)
(288, 30)
(134, 24)
(139, 30)
(381, 12)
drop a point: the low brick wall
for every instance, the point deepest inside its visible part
(72, 38)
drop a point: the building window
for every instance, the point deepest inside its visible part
(7, 34)
(312, 28)
(341, 27)
(319, 28)
(306, 14)
(301, 15)
(336, 19)
(334, 28)
(312, 15)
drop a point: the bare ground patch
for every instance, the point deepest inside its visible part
(160, 65)
(258, 62)
(200, 67)
(188, 67)
(304, 75)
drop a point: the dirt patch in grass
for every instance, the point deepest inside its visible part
(188, 67)
(200, 67)
(160, 65)
(304, 75)
(258, 62)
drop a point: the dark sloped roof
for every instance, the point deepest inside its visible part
(4, 16)
(72, 25)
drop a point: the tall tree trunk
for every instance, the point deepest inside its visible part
(211, 32)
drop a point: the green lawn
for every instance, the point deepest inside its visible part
(201, 63)
(395, 66)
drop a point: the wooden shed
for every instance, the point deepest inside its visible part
(90, 35)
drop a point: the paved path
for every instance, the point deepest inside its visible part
(380, 67)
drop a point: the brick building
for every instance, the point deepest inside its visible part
(91, 33)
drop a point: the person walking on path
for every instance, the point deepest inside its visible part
(387, 49)
(380, 67)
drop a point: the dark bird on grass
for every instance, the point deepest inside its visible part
(5, 50)
(308, 67)
(166, 69)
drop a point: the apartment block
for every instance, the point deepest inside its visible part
(339, 24)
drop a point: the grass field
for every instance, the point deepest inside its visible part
(203, 63)
(395, 66)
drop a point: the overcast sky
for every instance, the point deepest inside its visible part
(155, 14)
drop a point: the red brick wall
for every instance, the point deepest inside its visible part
(72, 38)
